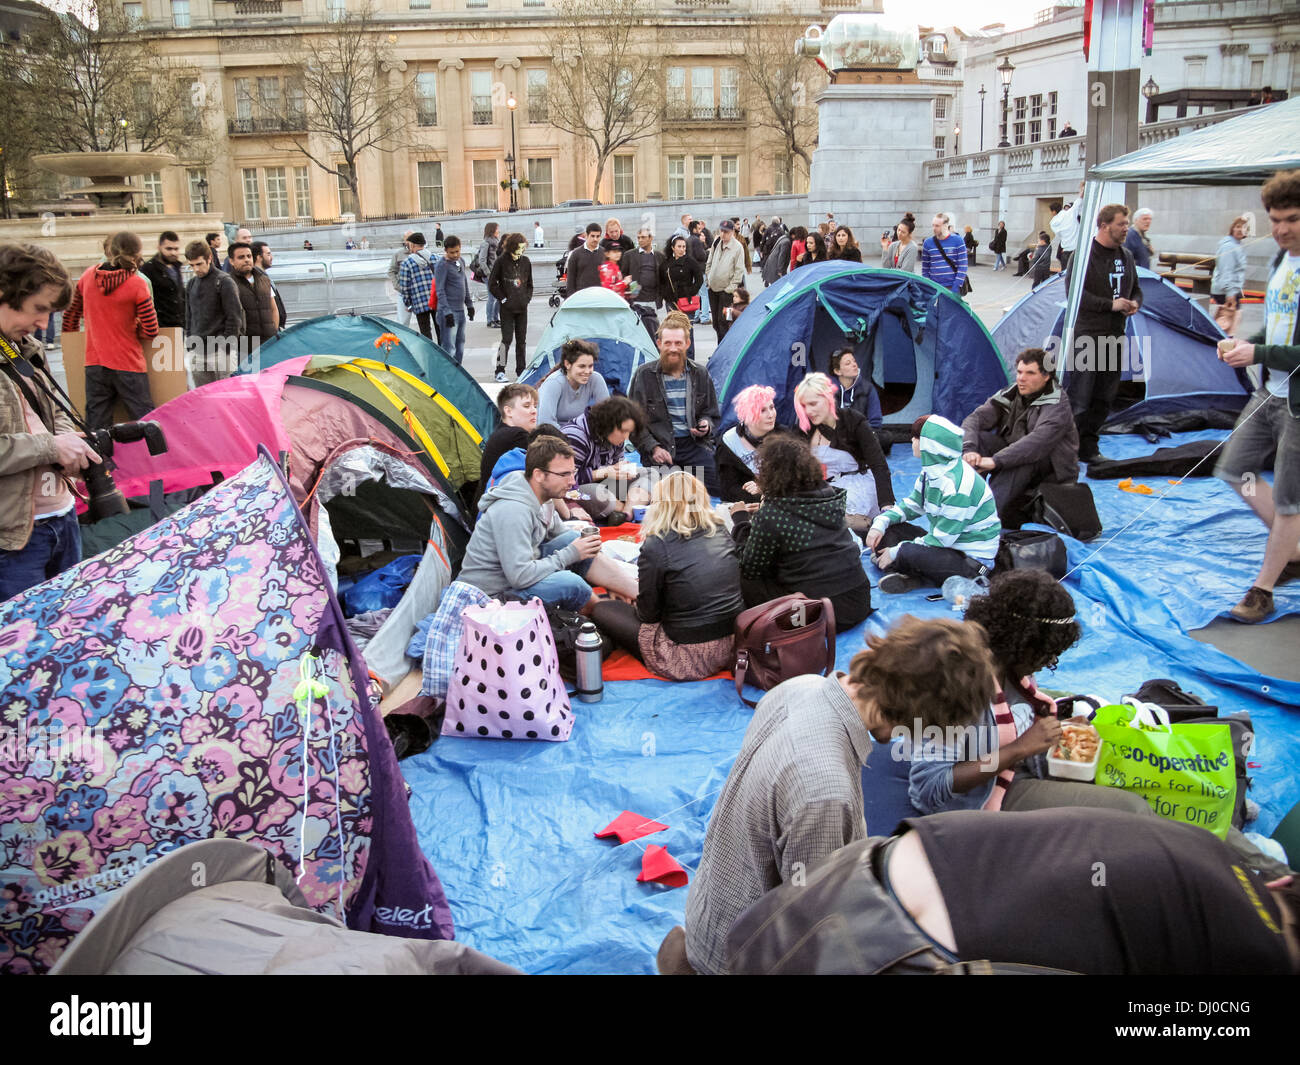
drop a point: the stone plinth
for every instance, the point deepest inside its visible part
(78, 241)
(867, 169)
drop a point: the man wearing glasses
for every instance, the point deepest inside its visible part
(522, 547)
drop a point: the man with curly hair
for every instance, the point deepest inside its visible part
(1271, 420)
(794, 794)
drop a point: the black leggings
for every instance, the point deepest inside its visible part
(513, 324)
(619, 621)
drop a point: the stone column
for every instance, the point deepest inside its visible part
(457, 194)
(396, 191)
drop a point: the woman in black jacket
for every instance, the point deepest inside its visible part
(842, 440)
(681, 280)
(688, 581)
(998, 246)
(843, 246)
(511, 282)
(738, 452)
(797, 540)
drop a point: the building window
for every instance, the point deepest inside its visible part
(676, 98)
(677, 177)
(429, 178)
(702, 93)
(486, 192)
(295, 104)
(730, 177)
(277, 192)
(335, 10)
(133, 12)
(941, 107)
(783, 175)
(181, 14)
(703, 178)
(730, 89)
(624, 188)
(243, 100)
(252, 200)
(1195, 71)
(537, 90)
(268, 100)
(197, 206)
(153, 194)
(1018, 125)
(1256, 73)
(426, 98)
(419, 5)
(347, 198)
(480, 93)
(541, 183)
(939, 146)
(302, 191)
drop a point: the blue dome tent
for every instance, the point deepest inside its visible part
(1174, 336)
(604, 318)
(354, 336)
(926, 351)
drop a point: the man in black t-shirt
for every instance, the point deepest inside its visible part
(518, 406)
(1088, 891)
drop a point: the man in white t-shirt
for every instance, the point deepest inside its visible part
(539, 235)
(1271, 420)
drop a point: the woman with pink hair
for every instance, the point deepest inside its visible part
(737, 457)
(842, 441)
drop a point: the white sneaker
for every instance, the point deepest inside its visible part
(501, 375)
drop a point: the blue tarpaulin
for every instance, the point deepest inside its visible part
(509, 825)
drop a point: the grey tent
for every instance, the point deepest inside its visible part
(223, 906)
(1247, 150)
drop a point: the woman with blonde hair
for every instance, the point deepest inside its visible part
(688, 594)
(841, 440)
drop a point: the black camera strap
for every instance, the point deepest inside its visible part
(13, 364)
(19, 366)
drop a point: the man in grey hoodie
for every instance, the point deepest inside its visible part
(521, 546)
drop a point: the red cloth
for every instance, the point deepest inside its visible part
(623, 666)
(628, 826)
(660, 867)
(113, 303)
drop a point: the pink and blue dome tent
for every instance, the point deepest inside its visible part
(925, 350)
(1176, 340)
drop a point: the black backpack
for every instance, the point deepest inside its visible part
(1067, 508)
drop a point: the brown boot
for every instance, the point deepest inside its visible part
(1255, 606)
(671, 960)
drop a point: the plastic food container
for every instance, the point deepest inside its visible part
(638, 514)
(1067, 769)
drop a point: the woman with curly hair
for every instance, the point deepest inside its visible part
(797, 541)
(598, 437)
(1030, 622)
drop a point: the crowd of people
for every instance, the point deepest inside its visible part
(800, 504)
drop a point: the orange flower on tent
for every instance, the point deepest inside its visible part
(386, 341)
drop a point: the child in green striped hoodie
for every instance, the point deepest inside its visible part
(957, 501)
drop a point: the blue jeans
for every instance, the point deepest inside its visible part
(567, 588)
(493, 309)
(453, 336)
(704, 316)
(55, 546)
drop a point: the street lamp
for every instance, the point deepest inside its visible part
(983, 93)
(203, 193)
(956, 140)
(1150, 90)
(1004, 70)
(511, 104)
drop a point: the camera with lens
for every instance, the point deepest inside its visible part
(106, 498)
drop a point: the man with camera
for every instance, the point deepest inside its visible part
(39, 444)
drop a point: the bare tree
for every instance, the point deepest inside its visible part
(782, 89)
(342, 99)
(606, 85)
(97, 86)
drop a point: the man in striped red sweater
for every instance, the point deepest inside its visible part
(119, 313)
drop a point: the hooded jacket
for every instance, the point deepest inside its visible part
(1044, 427)
(115, 303)
(511, 282)
(956, 500)
(861, 396)
(504, 551)
(801, 543)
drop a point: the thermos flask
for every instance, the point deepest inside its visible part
(590, 682)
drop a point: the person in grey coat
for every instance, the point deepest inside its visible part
(214, 316)
(1023, 436)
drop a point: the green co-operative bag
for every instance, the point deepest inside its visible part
(1185, 772)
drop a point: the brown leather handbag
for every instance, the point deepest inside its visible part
(787, 637)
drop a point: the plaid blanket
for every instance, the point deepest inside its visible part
(444, 629)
